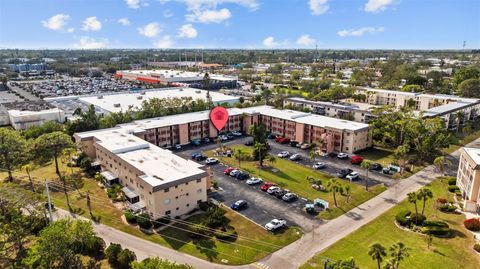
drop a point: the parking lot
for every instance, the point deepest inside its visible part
(263, 207)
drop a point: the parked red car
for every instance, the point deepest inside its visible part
(228, 170)
(355, 159)
(267, 185)
(282, 140)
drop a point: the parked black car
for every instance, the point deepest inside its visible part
(243, 175)
(376, 167)
(293, 143)
(344, 172)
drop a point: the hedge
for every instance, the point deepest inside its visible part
(144, 221)
(402, 219)
(447, 208)
(472, 224)
(453, 188)
(435, 230)
(452, 181)
(130, 217)
(435, 223)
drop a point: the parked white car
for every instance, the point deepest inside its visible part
(211, 161)
(276, 224)
(178, 146)
(254, 180)
(353, 176)
(319, 165)
(272, 189)
(283, 154)
(342, 155)
(295, 157)
(236, 133)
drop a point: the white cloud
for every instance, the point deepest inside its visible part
(164, 43)
(56, 22)
(305, 40)
(187, 31)
(124, 21)
(375, 6)
(87, 42)
(70, 30)
(91, 24)
(270, 42)
(212, 4)
(136, 3)
(168, 13)
(209, 16)
(150, 30)
(360, 31)
(318, 7)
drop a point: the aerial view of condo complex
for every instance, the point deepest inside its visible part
(240, 134)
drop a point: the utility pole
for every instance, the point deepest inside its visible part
(49, 202)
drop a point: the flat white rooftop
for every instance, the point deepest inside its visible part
(450, 107)
(122, 101)
(323, 121)
(285, 114)
(181, 118)
(159, 166)
(175, 75)
(27, 113)
(474, 153)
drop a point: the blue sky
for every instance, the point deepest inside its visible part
(336, 24)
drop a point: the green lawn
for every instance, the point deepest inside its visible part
(378, 155)
(242, 251)
(293, 177)
(454, 252)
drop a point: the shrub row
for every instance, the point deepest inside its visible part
(130, 217)
(435, 223)
(452, 181)
(436, 230)
(453, 188)
(447, 208)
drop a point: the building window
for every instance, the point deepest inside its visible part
(186, 194)
(168, 212)
(176, 186)
(176, 197)
(199, 191)
(167, 190)
(177, 208)
(186, 183)
(167, 201)
(199, 201)
(188, 205)
(199, 180)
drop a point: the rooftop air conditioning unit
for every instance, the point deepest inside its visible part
(197, 91)
(116, 105)
(142, 93)
(100, 97)
(139, 97)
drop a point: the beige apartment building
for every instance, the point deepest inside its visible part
(153, 179)
(468, 178)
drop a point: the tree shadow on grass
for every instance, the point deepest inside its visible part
(207, 248)
(95, 219)
(175, 237)
(439, 253)
(77, 211)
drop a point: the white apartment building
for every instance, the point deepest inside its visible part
(24, 119)
(468, 178)
(154, 179)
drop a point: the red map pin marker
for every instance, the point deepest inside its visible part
(219, 117)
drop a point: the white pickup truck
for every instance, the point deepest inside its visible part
(275, 224)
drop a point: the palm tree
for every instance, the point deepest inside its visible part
(441, 164)
(377, 252)
(366, 165)
(424, 194)
(400, 154)
(27, 169)
(412, 198)
(459, 117)
(239, 155)
(261, 148)
(89, 204)
(335, 186)
(272, 159)
(348, 189)
(313, 152)
(399, 252)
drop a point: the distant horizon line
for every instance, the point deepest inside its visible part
(248, 49)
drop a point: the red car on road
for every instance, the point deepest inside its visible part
(228, 170)
(267, 185)
(355, 159)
